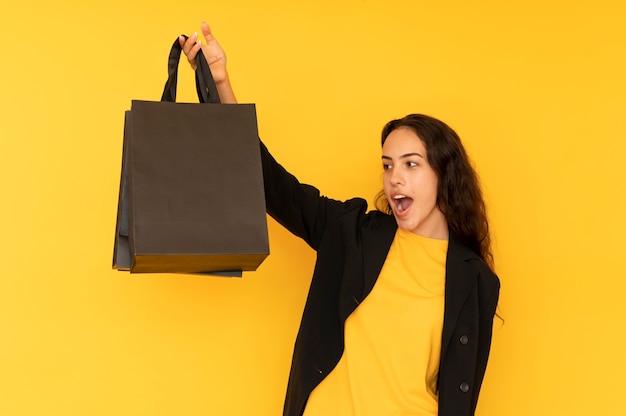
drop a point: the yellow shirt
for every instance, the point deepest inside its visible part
(390, 363)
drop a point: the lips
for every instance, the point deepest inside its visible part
(401, 203)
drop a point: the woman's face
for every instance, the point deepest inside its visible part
(410, 184)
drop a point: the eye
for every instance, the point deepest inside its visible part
(386, 166)
(411, 164)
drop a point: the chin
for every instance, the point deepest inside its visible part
(406, 225)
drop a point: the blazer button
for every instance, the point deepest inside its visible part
(464, 387)
(464, 339)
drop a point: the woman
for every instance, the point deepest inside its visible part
(399, 315)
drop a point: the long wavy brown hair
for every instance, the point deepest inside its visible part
(459, 195)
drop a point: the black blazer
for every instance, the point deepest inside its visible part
(351, 246)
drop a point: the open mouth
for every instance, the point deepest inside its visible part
(402, 203)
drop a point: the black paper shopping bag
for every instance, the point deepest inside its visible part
(191, 195)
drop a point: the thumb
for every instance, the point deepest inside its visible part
(206, 31)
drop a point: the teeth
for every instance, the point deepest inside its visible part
(399, 201)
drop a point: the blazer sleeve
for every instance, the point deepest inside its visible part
(299, 207)
(487, 313)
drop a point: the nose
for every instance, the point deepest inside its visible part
(396, 177)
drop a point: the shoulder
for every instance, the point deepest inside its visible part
(357, 222)
(353, 214)
(377, 220)
(488, 281)
(357, 209)
(463, 256)
(374, 222)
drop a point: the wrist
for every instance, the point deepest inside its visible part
(225, 90)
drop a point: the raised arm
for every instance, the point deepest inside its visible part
(215, 57)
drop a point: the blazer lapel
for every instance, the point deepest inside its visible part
(376, 243)
(460, 280)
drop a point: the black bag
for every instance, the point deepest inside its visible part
(191, 193)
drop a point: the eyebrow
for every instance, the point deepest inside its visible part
(404, 156)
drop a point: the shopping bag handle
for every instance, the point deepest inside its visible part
(205, 85)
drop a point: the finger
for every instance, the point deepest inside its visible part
(193, 52)
(206, 31)
(190, 43)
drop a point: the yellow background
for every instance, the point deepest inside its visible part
(536, 89)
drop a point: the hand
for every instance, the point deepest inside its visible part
(213, 52)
